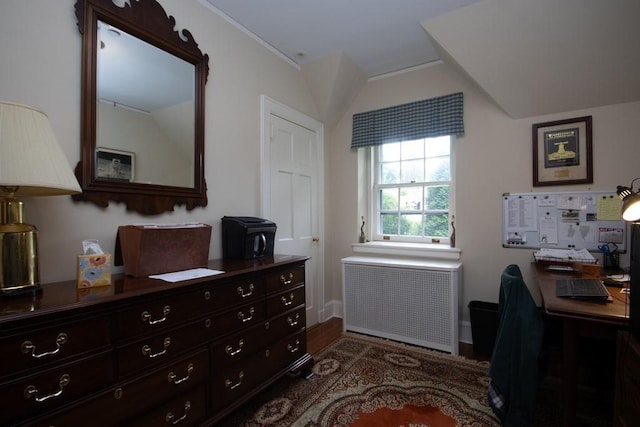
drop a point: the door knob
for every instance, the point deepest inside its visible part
(315, 239)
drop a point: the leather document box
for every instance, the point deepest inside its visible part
(155, 249)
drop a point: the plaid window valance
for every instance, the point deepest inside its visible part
(428, 118)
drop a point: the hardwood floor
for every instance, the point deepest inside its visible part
(324, 334)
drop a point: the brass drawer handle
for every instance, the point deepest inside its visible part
(172, 377)
(284, 280)
(294, 322)
(246, 319)
(230, 385)
(146, 350)
(230, 350)
(170, 418)
(28, 346)
(293, 349)
(146, 316)
(32, 391)
(244, 294)
(286, 302)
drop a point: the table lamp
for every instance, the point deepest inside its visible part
(630, 202)
(31, 164)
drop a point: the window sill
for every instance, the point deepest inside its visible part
(416, 250)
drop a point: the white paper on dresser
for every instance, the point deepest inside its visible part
(179, 276)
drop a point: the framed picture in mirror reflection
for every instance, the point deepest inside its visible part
(115, 164)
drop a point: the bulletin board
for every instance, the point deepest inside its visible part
(563, 220)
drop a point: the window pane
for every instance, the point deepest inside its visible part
(413, 187)
(390, 152)
(412, 171)
(437, 198)
(390, 173)
(411, 225)
(389, 223)
(389, 199)
(438, 169)
(412, 149)
(438, 146)
(411, 198)
(436, 225)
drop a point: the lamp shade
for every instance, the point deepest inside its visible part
(30, 157)
(631, 208)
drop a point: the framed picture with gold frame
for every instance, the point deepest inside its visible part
(562, 152)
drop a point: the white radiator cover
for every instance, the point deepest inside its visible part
(407, 300)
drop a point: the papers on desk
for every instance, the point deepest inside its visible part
(619, 278)
(180, 276)
(564, 255)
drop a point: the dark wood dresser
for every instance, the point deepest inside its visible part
(148, 352)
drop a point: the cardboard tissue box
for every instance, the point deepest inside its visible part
(94, 270)
(146, 250)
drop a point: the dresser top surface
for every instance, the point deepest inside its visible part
(55, 297)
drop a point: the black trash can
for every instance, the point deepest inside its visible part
(485, 320)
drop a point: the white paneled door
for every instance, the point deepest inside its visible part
(292, 160)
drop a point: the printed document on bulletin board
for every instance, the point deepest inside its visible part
(563, 220)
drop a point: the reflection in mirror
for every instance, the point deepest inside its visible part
(145, 106)
(143, 81)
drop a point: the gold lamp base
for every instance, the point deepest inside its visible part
(18, 250)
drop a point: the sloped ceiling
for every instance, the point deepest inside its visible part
(537, 57)
(379, 36)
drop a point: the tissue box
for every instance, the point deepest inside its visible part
(155, 249)
(94, 270)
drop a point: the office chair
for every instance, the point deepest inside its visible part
(514, 367)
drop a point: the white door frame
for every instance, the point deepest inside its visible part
(270, 107)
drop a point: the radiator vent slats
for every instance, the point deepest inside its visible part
(404, 303)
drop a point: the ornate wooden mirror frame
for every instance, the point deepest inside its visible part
(145, 20)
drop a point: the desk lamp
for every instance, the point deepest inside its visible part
(630, 202)
(32, 164)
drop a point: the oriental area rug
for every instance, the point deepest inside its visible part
(363, 381)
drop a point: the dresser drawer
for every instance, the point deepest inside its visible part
(287, 323)
(237, 319)
(225, 295)
(135, 397)
(285, 352)
(160, 348)
(285, 301)
(190, 409)
(55, 344)
(285, 278)
(235, 381)
(150, 317)
(238, 347)
(50, 389)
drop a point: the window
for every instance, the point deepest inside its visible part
(409, 157)
(412, 190)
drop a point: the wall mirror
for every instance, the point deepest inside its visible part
(142, 122)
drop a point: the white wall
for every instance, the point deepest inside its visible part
(40, 47)
(40, 51)
(493, 157)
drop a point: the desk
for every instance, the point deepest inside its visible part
(579, 318)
